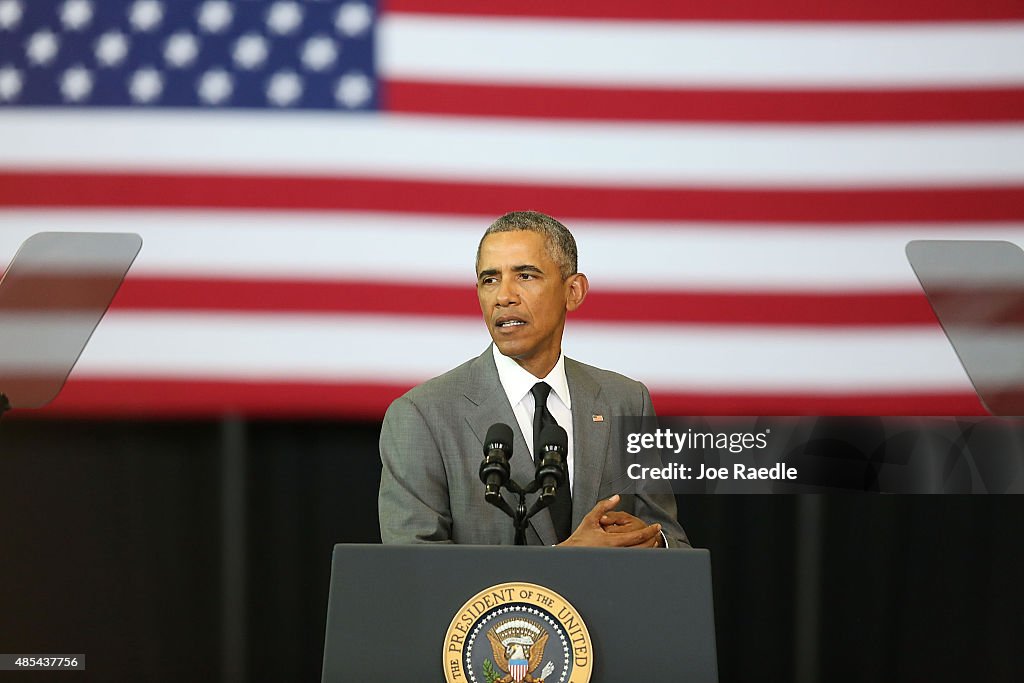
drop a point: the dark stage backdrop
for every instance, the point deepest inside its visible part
(172, 551)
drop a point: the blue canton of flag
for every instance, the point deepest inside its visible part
(187, 53)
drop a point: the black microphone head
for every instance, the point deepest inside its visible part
(553, 436)
(499, 436)
(551, 469)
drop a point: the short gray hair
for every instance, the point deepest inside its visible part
(561, 245)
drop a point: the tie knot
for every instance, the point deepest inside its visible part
(540, 393)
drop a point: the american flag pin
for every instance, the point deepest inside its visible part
(598, 418)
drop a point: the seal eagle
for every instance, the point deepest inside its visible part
(518, 641)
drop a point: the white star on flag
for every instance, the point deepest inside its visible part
(353, 19)
(215, 86)
(284, 17)
(284, 88)
(10, 14)
(76, 14)
(111, 48)
(146, 15)
(42, 47)
(76, 84)
(319, 52)
(250, 51)
(215, 16)
(181, 49)
(146, 85)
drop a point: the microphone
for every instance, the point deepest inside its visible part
(494, 470)
(551, 470)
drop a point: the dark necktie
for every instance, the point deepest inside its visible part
(561, 509)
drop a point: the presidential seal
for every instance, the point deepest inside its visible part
(517, 633)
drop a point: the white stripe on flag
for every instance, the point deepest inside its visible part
(667, 54)
(625, 255)
(377, 348)
(618, 155)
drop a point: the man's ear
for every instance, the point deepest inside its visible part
(578, 288)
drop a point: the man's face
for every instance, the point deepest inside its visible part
(524, 299)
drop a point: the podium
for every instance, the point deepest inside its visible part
(480, 614)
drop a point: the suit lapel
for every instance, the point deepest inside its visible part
(490, 405)
(590, 439)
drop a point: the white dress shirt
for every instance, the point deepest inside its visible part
(517, 384)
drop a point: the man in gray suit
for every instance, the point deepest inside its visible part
(431, 443)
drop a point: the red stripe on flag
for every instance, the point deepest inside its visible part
(148, 398)
(716, 10)
(359, 296)
(932, 404)
(196, 398)
(715, 105)
(137, 190)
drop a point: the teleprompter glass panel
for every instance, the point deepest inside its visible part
(52, 296)
(976, 289)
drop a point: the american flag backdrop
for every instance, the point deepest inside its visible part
(310, 180)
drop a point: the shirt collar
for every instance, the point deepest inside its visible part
(517, 382)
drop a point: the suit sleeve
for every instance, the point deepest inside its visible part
(413, 502)
(660, 507)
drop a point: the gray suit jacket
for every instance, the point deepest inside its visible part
(431, 445)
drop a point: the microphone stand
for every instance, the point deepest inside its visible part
(520, 516)
(499, 467)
